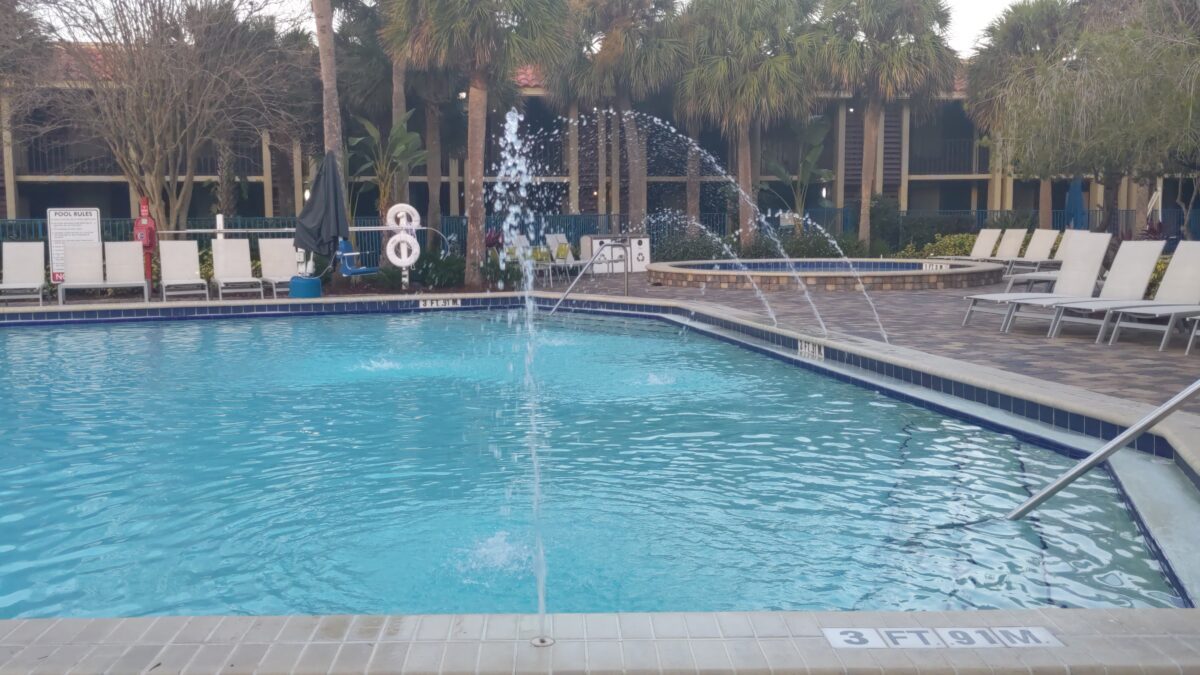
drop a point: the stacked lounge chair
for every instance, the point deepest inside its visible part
(116, 264)
(278, 258)
(1042, 275)
(985, 245)
(232, 272)
(24, 273)
(181, 269)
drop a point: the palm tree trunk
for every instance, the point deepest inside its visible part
(745, 176)
(693, 181)
(433, 165)
(870, 157)
(399, 107)
(636, 157)
(332, 114)
(477, 96)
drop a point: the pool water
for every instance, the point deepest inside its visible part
(381, 464)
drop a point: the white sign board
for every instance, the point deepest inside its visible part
(69, 225)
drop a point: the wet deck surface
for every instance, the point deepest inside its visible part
(930, 321)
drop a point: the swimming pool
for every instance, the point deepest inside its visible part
(380, 464)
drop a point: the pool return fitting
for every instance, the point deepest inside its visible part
(1123, 439)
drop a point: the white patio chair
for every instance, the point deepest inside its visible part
(181, 269)
(119, 266)
(1010, 246)
(1041, 275)
(1180, 286)
(985, 244)
(278, 258)
(232, 272)
(24, 273)
(1037, 252)
(1127, 281)
(1081, 269)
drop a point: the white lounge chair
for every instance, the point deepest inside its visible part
(985, 244)
(1127, 281)
(278, 257)
(1081, 268)
(1041, 275)
(232, 272)
(24, 273)
(120, 266)
(1037, 252)
(564, 260)
(181, 269)
(1010, 246)
(1180, 286)
(1184, 281)
(1195, 334)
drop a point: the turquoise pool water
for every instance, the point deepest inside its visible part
(380, 464)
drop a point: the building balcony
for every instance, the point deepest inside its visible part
(953, 157)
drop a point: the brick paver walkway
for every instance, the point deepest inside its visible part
(930, 321)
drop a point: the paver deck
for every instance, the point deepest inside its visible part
(930, 321)
(1093, 641)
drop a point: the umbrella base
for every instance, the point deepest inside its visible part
(305, 287)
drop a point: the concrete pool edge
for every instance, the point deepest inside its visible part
(1095, 640)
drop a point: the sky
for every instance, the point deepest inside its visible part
(969, 18)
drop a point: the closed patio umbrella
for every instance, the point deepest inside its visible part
(1077, 216)
(323, 220)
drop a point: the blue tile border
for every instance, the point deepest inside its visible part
(772, 341)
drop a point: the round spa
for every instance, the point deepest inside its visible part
(831, 274)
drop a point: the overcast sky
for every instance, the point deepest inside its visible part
(970, 18)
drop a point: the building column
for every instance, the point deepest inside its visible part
(1045, 204)
(10, 164)
(601, 162)
(995, 190)
(268, 178)
(839, 187)
(1096, 195)
(135, 200)
(454, 179)
(297, 177)
(974, 195)
(1158, 185)
(573, 159)
(1008, 191)
(905, 130)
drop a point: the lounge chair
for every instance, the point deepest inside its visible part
(1177, 304)
(1010, 246)
(181, 269)
(563, 255)
(985, 244)
(1195, 334)
(1037, 252)
(1041, 275)
(116, 264)
(1180, 286)
(1081, 268)
(1127, 281)
(278, 258)
(232, 272)
(24, 273)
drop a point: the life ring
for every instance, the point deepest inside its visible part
(404, 217)
(403, 249)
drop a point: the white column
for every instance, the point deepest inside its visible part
(268, 178)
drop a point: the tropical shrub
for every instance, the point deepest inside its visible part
(435, 270)
(506, 277)
(942, 245)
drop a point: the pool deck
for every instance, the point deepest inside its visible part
(1092, 641)
(924, 326)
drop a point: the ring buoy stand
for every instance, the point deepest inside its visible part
(402, 248)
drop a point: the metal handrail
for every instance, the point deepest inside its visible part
(623, 245)
(1106, 451)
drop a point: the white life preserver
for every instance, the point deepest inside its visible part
(402, 248)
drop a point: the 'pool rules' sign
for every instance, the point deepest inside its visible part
(69, 225)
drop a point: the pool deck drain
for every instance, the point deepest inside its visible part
(1093, 641)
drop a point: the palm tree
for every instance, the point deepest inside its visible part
(332, 113)
(881, 51)
(487, 41)
(746, 69)
(621, 51)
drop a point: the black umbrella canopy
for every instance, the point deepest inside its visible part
(323, 220)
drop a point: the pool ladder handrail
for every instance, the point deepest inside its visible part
(623, 245)
(1123, 439)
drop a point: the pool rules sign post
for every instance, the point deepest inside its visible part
(69, 225)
